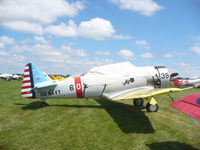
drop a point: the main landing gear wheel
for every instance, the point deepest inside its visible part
(138, 102)
(152, 108)
(44, 104)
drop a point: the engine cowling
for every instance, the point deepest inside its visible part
(162, 77)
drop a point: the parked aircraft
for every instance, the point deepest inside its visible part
(115, 82)
(189, 105)
(187, 82)
(10, 76)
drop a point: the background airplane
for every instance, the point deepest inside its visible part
(187, 82)
(189, 105)
(10, 76)
(115, 82)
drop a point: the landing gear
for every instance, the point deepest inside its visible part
(151, 107)
(138, 102)
(44, 104)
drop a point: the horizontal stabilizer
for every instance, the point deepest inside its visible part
(44, 85)
(189, 105)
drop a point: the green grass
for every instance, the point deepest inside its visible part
(92, 124)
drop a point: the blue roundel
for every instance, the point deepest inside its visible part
(198, 101)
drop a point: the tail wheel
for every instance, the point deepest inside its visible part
(138, 102)
(152, 108)
(44, 104)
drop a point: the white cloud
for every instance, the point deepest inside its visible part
(1, 45)
(146, 47)
(186, 70)
(74, 52)
(168, 55)
(96, 28)
(147, 55)
(49, 58)
(37, 11)
(195, 49)
(121, 37)
(40, 39)
(144, 7)
(174, 53)
(141, 42)
(7, 40)
(126, 54)
(24, 26)
(68, 30)
(3, 53)
(104, 53)
(196, 38)
(197, 44)
(28, 16)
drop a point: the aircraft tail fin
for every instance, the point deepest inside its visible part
(32, 77)
(177, 82)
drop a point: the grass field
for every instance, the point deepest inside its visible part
(92, 124)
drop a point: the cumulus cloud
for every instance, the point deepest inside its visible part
(64, 59)
(96, 28)
(144, 7)
(24, 26)
(7, 40)
(121, 37)
(3, 53)
(175, 53)
(141, 42)
(185, 69)
(196, 38)
(147, 55)
(1, 45)
(126, 54)
(37, 11)
(69, 30)
(40, 39)
(28, 16)
(75, 52)
(168, 55)
(104, 53)
(195, 49)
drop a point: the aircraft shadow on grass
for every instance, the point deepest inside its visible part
(129, 119)
(37, 105)
(170, 145)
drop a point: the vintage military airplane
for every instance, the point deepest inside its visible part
(115, 81)
(187, 82)
(9, 77)
(189, 105)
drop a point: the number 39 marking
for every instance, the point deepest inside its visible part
(164, 75)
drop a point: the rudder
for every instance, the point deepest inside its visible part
(27, 83)
(32, 77)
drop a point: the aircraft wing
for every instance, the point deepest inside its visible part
(189, 105)
(145, 92)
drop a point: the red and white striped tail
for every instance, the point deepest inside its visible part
(27, 83)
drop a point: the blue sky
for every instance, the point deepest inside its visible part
(71, 36)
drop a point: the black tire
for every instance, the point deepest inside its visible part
(151, 108)
(138, 102)
(44, 104)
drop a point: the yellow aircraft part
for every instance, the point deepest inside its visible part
(153, 101)
(58, 78)
(145, 92)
